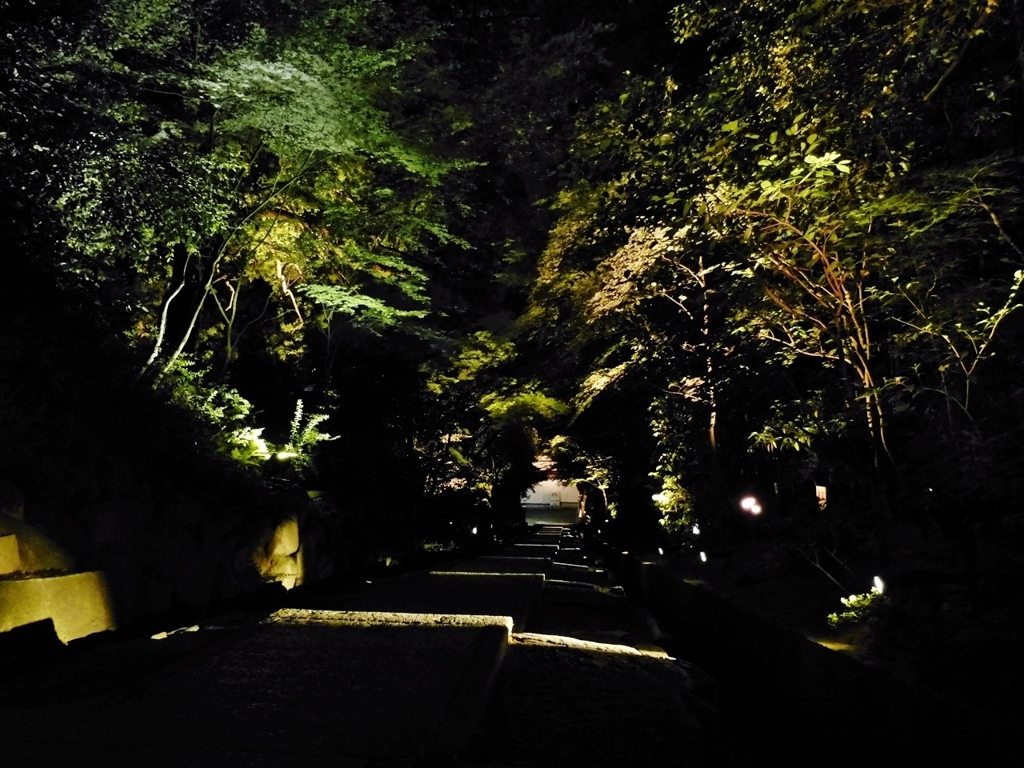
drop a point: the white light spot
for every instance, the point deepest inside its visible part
(751, 505)
(696, 530)
(703, 557)
(474, 531)
(879, 585)
(661, 551)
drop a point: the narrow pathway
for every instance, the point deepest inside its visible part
(530, 656)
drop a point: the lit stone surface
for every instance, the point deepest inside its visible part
(78, 603)
(450, 593)
(38, 551)
(281, 560)
(385, 618)
(10, 560)
(573, 643)
(286, 538)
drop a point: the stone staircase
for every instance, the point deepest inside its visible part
(529, 656)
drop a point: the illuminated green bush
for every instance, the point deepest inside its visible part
(858, 608)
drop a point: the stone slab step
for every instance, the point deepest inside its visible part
(529, 550)
(501, 564)
(511, 595)
(307, 688)
(590, 705)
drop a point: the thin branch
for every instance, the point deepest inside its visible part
(990, 8)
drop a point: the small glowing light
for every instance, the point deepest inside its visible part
(474, 531)
(661, 551)
(751, 505)
(659, 498)
(703, 557)
(624, 552)
(879, 585)
(285, 455)
(696, 530)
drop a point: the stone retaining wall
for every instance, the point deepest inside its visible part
(151, 558)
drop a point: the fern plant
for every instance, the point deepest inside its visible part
(303, 435)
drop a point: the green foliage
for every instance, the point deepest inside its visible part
(789, 247)
(303, 436)
(246, 446)
(223, 159)
(365, 311)
(222, 408)
(521, 406)
(798, 426)
(858, 608)
(483, 434)
(676, 505)
(790, 241)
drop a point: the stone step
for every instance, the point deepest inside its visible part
(511, 595)
(306, 688)
(529, 550)
(559, 701)
(583, 573)
(502, 564)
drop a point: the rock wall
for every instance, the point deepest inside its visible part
(99, 473)
(154, 557)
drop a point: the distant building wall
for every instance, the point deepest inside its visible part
(551, 493)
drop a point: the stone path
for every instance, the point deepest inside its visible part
(528, 657)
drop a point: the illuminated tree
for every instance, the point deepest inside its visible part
(794, 205)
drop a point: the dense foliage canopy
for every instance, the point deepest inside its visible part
(691, 249)
(793, 255)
